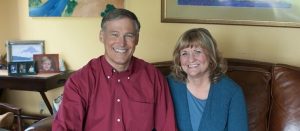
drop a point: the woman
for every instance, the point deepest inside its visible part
(205, 99)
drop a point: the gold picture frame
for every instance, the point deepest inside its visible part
(285, 16)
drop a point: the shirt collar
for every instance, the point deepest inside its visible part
(109, 70)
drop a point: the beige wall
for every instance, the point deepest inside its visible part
(8, 22)
(76, 40)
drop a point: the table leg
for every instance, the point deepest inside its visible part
(47, 102)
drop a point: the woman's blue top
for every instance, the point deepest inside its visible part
(225, 108)
(196, 108)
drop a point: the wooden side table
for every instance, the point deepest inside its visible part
(39, 83)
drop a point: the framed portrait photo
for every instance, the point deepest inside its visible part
(21, 68)
(13, 68)
(31, 68)
(21, 51)
(47, 63)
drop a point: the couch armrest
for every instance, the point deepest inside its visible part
(42, 125)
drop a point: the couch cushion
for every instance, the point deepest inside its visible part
(255, 83)
(285, 107)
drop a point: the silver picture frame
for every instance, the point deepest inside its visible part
(23, 50)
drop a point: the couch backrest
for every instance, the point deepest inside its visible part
(164, 67)
(285, 107)
(255, 83)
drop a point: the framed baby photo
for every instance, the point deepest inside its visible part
(47, 63)
(21, 68)
(19, 51)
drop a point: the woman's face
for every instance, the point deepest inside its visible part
(194, 62)
(46, 65)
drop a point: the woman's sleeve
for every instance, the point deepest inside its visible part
(238, 118)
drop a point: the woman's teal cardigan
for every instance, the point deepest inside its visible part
(225, 108)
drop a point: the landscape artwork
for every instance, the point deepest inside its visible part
(239, 3)
(70, 8)
(24, 52)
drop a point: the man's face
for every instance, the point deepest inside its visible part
(120, 38)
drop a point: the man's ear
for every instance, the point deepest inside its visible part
(101, 36)
(137, 39)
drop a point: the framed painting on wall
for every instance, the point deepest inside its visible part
(67, 8)
(20, 51)
(278, 13)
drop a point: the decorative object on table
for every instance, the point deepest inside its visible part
(19, 51)
(3, 62)
(21, 68)
(62, 65)
(47, 63)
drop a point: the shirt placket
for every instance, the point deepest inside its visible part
(118, 102)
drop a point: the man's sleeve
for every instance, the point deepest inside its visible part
(164, 112)
(70, 113)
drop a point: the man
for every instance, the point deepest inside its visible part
(117, 91)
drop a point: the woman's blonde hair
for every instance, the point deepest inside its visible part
(199, 37)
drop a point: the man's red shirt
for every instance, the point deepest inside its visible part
(98, 98)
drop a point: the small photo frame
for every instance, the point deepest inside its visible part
(47, 63)
(19, 51)
(21, 68)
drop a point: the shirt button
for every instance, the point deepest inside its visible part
(119, 80)
(128, 77)
(108, 77)
(118, 120)
(118, 100)
(114, 70)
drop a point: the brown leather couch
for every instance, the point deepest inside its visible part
(272, 94)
